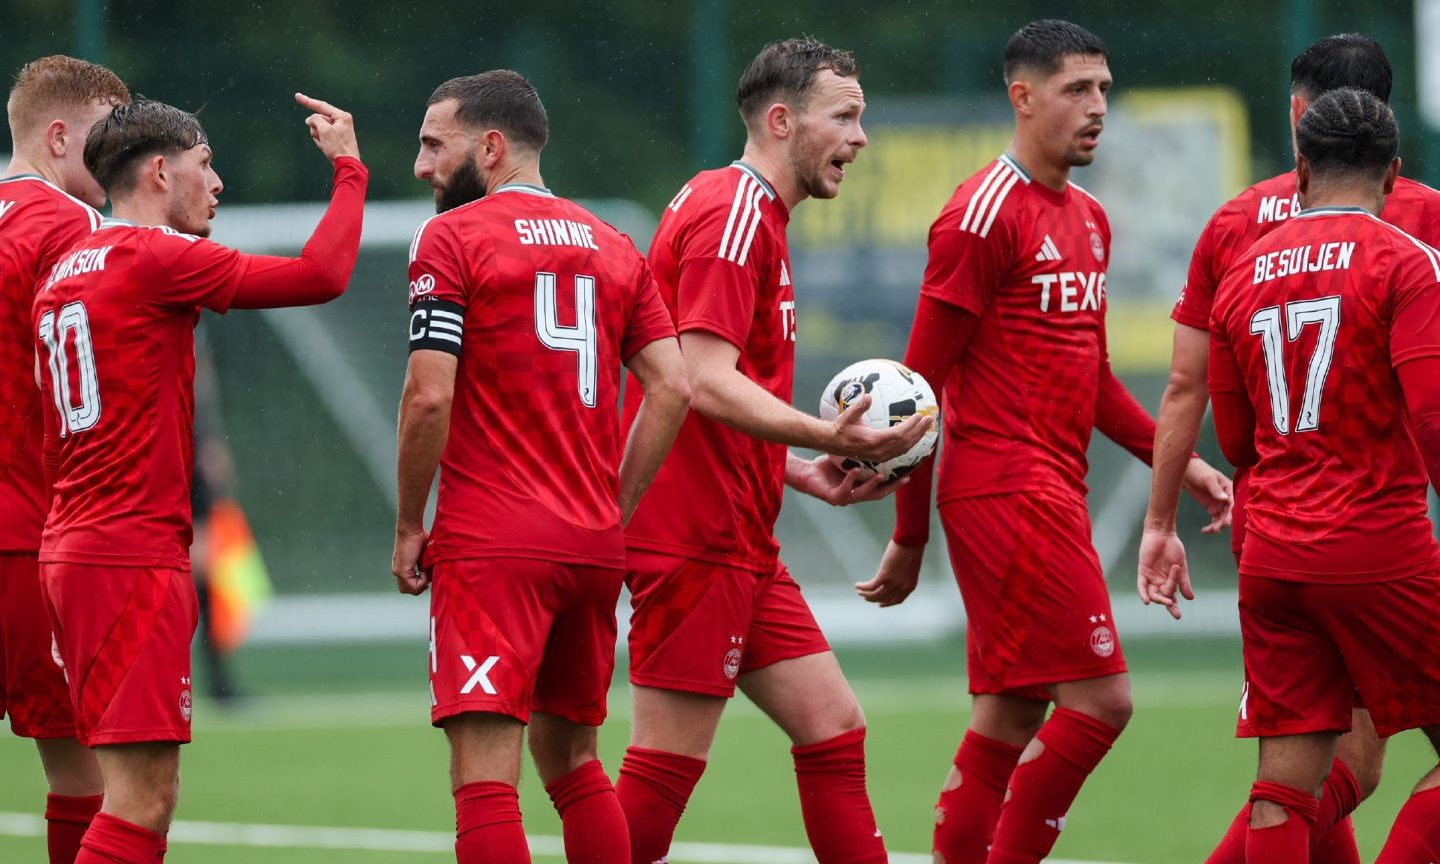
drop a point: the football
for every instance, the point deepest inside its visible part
(896, 393)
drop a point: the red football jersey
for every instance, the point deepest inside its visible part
(1310, 325)
(114, 326)
(1412, 207)
(723, 264)
(38, 222)
(542, 302)
(1030, 263)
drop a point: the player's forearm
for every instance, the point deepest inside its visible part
(424, 429)
(1422, 406)
(1235, 427)
(727, 396)
(1120, 417)
(323, 270)
(939, 337)
(1182, 410)
(912, 506)
(657, 422)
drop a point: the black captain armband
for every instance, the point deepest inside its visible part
(436, 325)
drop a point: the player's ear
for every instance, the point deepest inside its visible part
(1298, 106)
(492, 148)
(1020, 94)
(779, 120)
(1303, 176)
(1391, 175)
(56, 139)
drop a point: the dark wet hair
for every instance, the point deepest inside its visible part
(499, 99)
(133, 131)
(1348, 132)
(1044, 45)
(1343, 60)
(785, 71)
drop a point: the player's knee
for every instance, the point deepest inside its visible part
(1114, 709)
(1367, 770)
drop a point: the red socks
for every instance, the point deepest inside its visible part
(1288, 842)
(834, 803)
(965, 816)
(487, 825)
(66, 819)
(115, 841)
(653, 789)
(1332, 837)
(593, 823)
(1416, 834)
(1042, 790)
(1337, 846)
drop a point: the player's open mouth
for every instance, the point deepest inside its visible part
(839, 166)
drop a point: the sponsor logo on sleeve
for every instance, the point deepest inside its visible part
(421, 286)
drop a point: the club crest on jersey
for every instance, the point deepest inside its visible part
(187, 706)
(422, 286)
(1102, 641)
(1097, 246)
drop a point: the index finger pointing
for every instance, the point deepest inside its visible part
(319, 106)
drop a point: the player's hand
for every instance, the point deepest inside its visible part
(823, 479)
(898, 575)
(1163, 570)
(332, 129)
(405, 563)
(1213, 490)
(853, 437)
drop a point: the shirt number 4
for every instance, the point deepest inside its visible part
(1266, 323)
(581, 338)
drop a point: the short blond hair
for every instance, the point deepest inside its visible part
(59, 83)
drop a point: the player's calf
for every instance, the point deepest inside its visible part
(1416, 834)
(593, 823)
(484, 772)
(76, 793)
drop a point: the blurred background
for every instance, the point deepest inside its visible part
(331, 704)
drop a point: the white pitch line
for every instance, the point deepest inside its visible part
(436, 842)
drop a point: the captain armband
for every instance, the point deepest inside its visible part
(437, 325)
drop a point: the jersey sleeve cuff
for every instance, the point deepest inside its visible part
(974, 307)
(709, 326)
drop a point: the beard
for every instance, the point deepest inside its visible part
(1075, 159)
(808, 166)
(180, 219)
(463, 186)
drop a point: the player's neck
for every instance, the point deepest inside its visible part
(142, 210)
(1041, 170)
(20, 165)
(517, 172)
(770, 167)
(1335, 196)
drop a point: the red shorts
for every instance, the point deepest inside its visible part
(515, 635)
(696, 627)
(124, 635)
(32, 681)
(1310, 646)
(1035, 599)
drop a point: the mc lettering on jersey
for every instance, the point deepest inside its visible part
(1073, 292)
(1274, 208)
(1303, 259)
(555, 232)
(78, 264)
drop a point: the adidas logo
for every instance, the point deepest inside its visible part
(784, 275)
(1057, 824)
(1048, 252)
